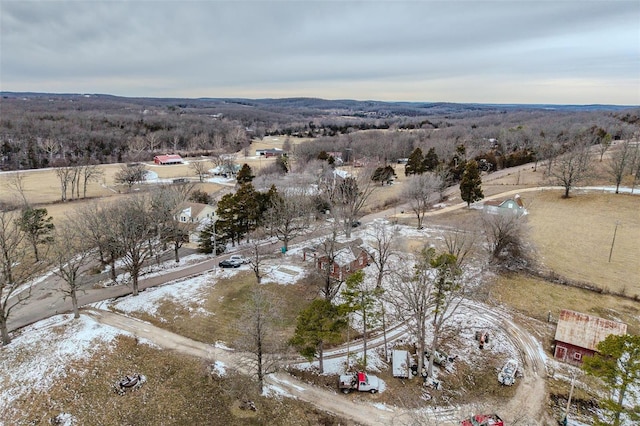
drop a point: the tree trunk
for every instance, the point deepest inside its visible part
(6, 339)
(74, 302)
(35, 250)
(134, 276)
(364, 336)
(566, 191)
(321, 357)
(113, 268)
(260, 373)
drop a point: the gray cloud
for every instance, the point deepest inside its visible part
(466, 51)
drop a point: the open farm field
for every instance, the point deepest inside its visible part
(573, 237)
(536, 298)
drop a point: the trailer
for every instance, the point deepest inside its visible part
(401, 362)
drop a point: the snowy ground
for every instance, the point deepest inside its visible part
(43, 352)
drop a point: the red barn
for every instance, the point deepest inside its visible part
(578, 334)
(167, 159)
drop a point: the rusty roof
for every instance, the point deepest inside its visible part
(586, 331)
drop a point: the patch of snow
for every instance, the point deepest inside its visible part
(43, 352)
(150, 300)
(219, 368)
(381, 406)
(273, 390)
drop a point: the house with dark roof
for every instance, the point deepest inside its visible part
(578, 334)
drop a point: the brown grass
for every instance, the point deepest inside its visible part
(535, 298)
(225, 302)
(573, 237)
(179, 391)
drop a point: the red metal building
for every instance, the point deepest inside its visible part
(578, 334)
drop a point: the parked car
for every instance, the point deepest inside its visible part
(483, 420)
(507, 376)
(238, 259)
(228, 263)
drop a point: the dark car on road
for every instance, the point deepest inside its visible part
(228, 263)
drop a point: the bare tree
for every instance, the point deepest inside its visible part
(90, 173)
(258, 253)
(130, 175)
(200, 168)
(460, 243)
(504, 233)
(382, 240)
(428, 297)
(620, 163)
(65, 174)
(165, 204)
(409, 295)
(289, 215)
(422, 192)
(16, 183)
(256, 333)
(131, 227)
(350, 195)
(15, 270)
(70, 252)
(327, 252)
(93, 220)
(572, 168)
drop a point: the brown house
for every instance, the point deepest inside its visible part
(578, 334)
(347, 257)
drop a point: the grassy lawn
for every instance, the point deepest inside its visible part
(573, 237)
(535, 298)
(224, 306)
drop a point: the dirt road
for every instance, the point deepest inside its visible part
(321, 398)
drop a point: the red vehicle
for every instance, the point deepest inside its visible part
(483, 420)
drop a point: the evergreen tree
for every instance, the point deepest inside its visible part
(207, 241)
(431, 160)
(245, 174)
(617, 363)
(414, 165)
(321, 322)
(458, 163)
(37, 227)
(361, 298)
(470, 184)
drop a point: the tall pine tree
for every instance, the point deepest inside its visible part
(470, 184)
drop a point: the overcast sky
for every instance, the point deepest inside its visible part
(509, 51)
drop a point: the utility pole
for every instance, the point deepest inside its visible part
(614, 239)
(566, 411)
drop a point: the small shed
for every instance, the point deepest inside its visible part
(578, 334)
(167, 159)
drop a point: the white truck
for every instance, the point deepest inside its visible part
(359, 381)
